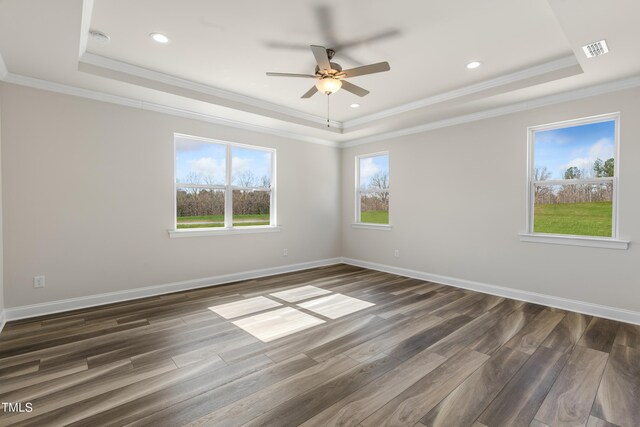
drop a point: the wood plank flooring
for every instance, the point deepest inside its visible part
(402, 352)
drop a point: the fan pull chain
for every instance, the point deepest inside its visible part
(328, 110)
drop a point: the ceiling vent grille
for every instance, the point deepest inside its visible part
(595, 49)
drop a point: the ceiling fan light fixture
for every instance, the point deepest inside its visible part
(328, 85)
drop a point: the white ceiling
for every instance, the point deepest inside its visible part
(219, 52)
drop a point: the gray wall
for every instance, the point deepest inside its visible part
(88, 197)
(458, 203)
(1, 219)
(88, 192)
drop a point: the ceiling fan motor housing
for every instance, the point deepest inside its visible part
(335, 68)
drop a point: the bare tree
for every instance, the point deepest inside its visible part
(541, 174)
(378, 201)
(246, 179)
(379, 180)
(206, 202)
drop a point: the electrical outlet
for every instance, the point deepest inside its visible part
(396, 253)
(285, 252)
(38, 282)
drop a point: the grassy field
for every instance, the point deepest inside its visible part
(583, 219)
(209, 221)
(375, 217)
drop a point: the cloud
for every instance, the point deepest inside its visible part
(368, 168)
(240, 164)
(601, 149)
(208, 167)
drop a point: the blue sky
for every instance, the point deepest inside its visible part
(207, 160)
(578, 146)
(369, 166)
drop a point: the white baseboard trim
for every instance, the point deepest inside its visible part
(598, 310)
(3, 319)
(34, 310)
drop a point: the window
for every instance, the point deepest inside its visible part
(372, 189)
(573, 178)
(223, 186)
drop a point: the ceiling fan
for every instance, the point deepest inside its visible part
(330, 76)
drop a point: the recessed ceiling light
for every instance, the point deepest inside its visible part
(160, 38)
(99, 36)
(473, 64)
(354, 105)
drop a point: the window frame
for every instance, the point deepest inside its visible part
(358, 193)
(614, 241)
(228, 189)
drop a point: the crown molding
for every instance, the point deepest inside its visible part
(109, 64)
(85, 25)
(527, 73)
(3, 69)
(149, 106)
(155, 76)
(572, 95)
(614, 86)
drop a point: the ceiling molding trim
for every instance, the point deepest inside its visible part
(573, 95)
(527, 73)
(130, 102)
(134, 70)
(85, 25)
(3, 69)
(194, 115)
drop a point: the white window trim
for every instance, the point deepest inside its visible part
(223, 231)
(613, 242)
(228, 195)
(370, 225)
(569, 240)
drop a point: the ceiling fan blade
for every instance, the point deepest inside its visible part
(291, 75)
(354, 43)
(310, 92)
(321, 57)
(282, 45)
(366, 69)
(350, 87)
(324, 15)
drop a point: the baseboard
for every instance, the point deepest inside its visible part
(598, 310)
(35, 310)
(3, 319)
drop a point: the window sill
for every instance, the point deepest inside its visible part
(556, 239)
(385, 227)
(199, 232)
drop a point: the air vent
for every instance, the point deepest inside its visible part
(595, 49)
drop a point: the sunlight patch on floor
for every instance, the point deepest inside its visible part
(244, 307)
(336, 305)
(277, 323)
(298, 294)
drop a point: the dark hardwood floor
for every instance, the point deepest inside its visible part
(424, 355)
